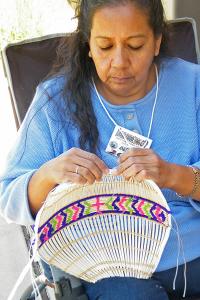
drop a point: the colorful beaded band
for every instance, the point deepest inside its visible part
(88, 207)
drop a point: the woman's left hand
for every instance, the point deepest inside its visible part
(144, 164)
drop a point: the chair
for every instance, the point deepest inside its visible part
(38, 54)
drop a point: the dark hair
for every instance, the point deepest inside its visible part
(79, 68)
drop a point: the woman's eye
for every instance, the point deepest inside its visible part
(106, 48)
(135, 47)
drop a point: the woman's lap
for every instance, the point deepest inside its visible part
(119, 288)
(156, 288)
(166, 278)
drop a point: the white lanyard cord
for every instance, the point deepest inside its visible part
(155, 101)
(154, 105)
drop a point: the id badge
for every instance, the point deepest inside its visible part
(123, 139)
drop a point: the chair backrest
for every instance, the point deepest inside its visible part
(183, 39)
(26, 63)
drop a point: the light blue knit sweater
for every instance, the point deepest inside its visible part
(46, 133)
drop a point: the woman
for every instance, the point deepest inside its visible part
(114, 73)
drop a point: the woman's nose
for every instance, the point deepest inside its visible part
(119, 58)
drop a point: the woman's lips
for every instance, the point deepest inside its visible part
(120, 80)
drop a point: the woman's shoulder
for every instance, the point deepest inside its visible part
(49, 91)
(48, 100)
(53, 85)
(180, 69)
(179, 64)
(182, 74)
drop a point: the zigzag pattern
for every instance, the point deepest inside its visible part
(45, 235)
(151, 210)
(56, 222)
(109, 203)
(145, 208)
(123, 204)
(160, 215)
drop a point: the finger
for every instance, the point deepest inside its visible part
(73, 177)
(86, 174)
(98, 162)
(132, 170)
(135, 152)
(143, 175)
(91, 157)
(79, 171)
(88, 164)
(119, 170)
(134, 161)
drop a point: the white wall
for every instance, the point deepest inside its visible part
(168, 6)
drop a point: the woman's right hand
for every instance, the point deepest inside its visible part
(76, 166)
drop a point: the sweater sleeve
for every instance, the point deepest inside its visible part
(32, 148)
(195, 203)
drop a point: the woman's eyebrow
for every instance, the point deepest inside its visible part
(102, 37)
(128, 38)
(139, 35)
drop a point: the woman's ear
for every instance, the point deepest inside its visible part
(89, 54)
(157, 46)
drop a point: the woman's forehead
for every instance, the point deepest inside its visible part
(126, 20)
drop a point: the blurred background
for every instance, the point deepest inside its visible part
(21, 20)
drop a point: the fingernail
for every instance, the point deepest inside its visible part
(113, 171)
(106, 171)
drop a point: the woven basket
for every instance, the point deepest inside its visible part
(110, 228)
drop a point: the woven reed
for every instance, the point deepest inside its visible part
(110, 228)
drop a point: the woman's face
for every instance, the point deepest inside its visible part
(123, 46)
